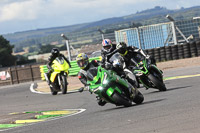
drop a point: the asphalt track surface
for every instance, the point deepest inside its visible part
(175, 111)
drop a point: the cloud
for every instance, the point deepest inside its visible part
(33, 9)
(23, 10)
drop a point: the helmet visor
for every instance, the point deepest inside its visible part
(82, 63)
(107, 47)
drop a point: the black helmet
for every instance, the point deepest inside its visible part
(122, 47)
(55, 52)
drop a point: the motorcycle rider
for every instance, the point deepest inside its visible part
(132, 52)
(107, 47)
(83, 62)
(54, 54)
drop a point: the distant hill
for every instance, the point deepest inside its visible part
(149, 16)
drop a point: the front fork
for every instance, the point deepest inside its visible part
(59, 80)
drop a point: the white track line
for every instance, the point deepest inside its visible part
(39, 92)
(50, 119)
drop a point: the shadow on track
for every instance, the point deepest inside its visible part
(177, 88)
(168, 89)
(135, 105)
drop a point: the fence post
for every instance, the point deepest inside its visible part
(32, 78)
(11, 79)
(174, 33)
(139, 41)
(16, 72)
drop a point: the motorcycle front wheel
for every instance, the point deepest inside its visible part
(139, 98)
(120, 100)
(63, 85)
(53, 92)
(159, 85)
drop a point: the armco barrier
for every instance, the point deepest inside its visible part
(73, 71)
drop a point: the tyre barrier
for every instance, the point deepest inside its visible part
(151, 52)
(174, 49)
(168, 53)
(162, 54)
(174, 52)
(198, 48)
(157, 54)
(186, 50)
(180, 51)
(193, 49)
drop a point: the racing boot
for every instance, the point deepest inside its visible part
(100, 101)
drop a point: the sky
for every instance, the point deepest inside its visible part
(23, 15)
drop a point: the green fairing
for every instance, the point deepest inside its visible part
(111, 77)
(156, 68)
(146, 70)
(110, 91)
(115, 77)
(96, 78)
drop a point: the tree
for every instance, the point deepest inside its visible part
(6, 57)
(46, 49)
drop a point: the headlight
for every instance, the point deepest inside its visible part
(141, 63)
(105, 81)
(99, 88)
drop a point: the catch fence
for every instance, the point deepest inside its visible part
(160, 35)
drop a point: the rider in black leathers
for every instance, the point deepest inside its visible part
(129, 52)
(54, 54)
(83, 62)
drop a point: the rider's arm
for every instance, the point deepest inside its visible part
(82, 78)
(143, 53)
(96, 63)
(103, 57)
(66, 60)
(50, 59)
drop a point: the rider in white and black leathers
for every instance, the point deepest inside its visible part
(107, 47)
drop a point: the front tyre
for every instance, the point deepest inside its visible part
(120, 100)
(53, 92)
(139, 98)
(63, 85)
(159, 85)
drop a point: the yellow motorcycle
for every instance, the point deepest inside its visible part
(59, 75)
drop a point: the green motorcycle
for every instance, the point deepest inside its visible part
(110, 87)
(148, 74)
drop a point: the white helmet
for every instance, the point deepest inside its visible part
(107, 45)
